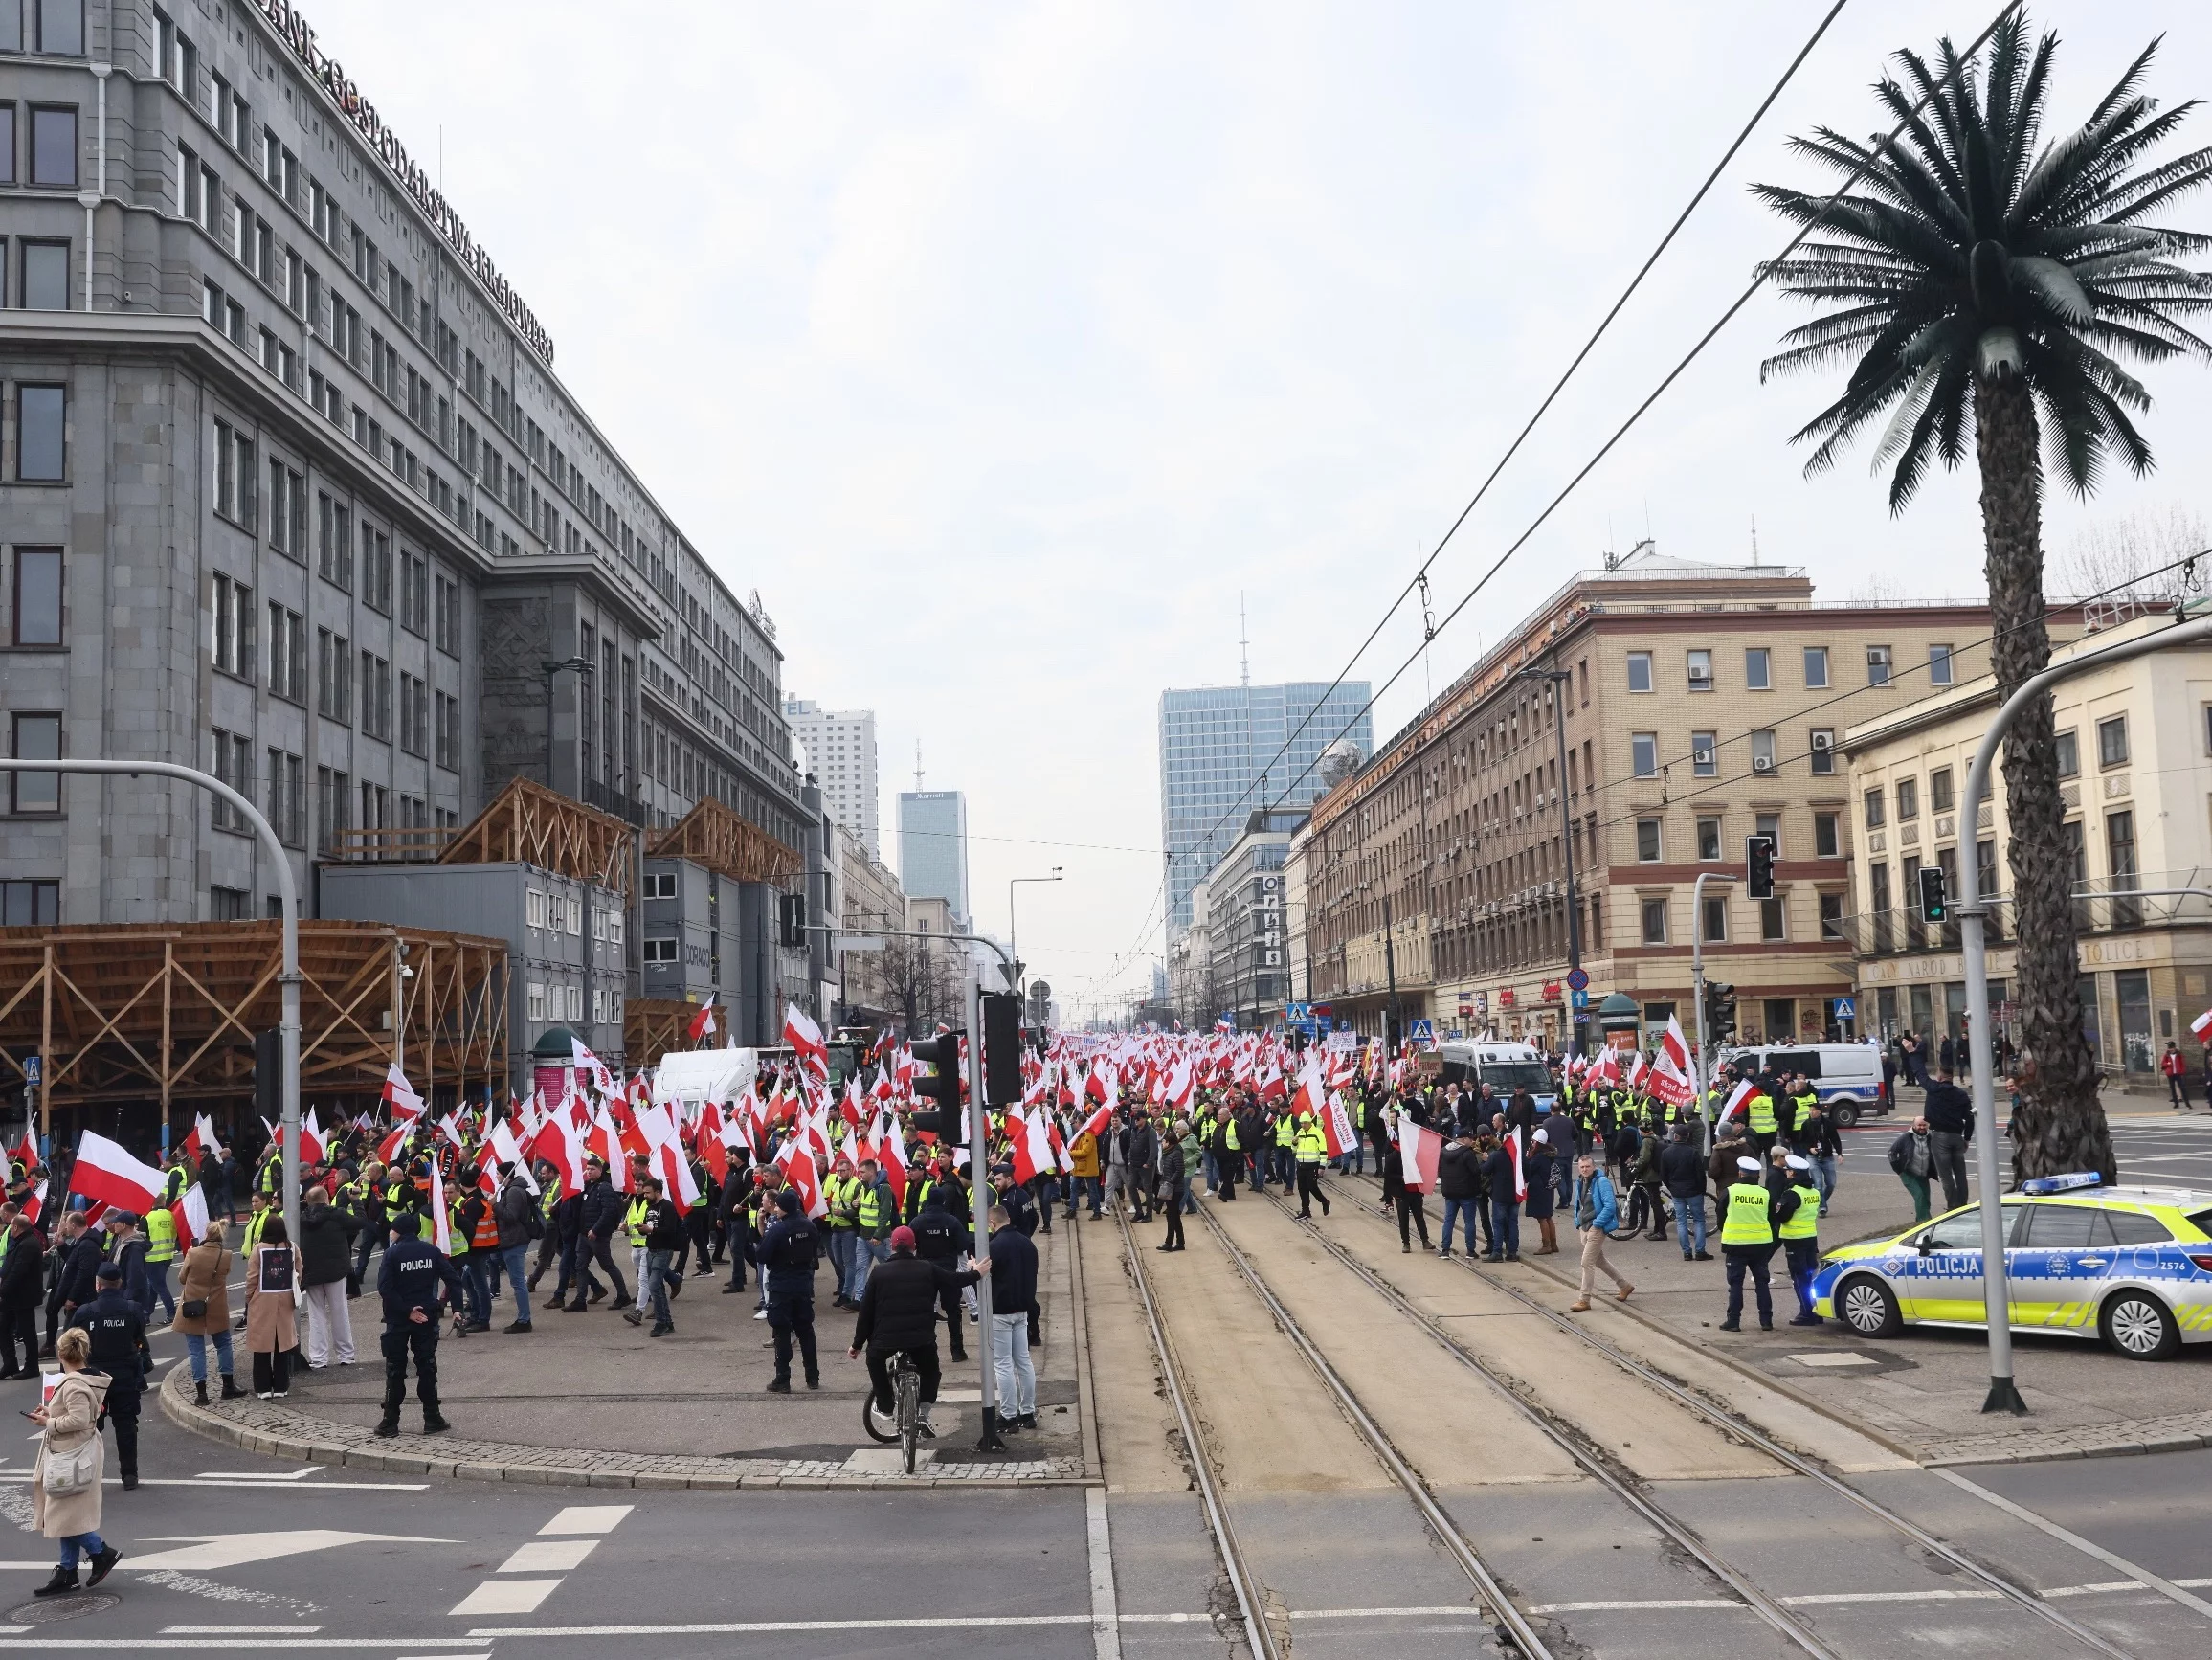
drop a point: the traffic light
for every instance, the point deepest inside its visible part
(1935, 902)
(1719, 1010)
(1759, 866)
(792, 921)
(1001, 1048)
(269, 1073)
(949, 1124)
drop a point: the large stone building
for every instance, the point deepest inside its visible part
(1694, 705)
(870, 903)
(2132, 746)
(1244, 931)
(292, 492)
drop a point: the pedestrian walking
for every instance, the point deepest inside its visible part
(117, 1332)
(666, 1250)
(1597, 1211)
(1950, 1114)
(599, 1212)
(204, 1311)
(272, 1301)
(66, 1480)
(324, 1266)
(22, 1282)
(1914, 1161)
(1174, 1183)
(416, 1283)
(787, 1253)
(520, 1220)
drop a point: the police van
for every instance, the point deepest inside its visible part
(1504, 1066)
(1848, 1077)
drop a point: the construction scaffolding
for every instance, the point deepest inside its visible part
(714, 836)
(528, 823)
(653, 1026)
(158, 1015)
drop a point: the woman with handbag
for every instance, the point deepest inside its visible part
(65, 1482)
(273, 1297)
(204, 1311)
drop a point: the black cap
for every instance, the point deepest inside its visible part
(109, 1271)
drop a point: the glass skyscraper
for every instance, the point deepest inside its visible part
(933, 847)
(1219, 765)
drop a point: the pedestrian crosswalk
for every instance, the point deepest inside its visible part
(561, 1546)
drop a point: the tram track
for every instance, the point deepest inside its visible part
(1718, 1417)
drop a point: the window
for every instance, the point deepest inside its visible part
(413, 715)
(1655, 922)
(1821, 750)
(1640, 671)
(2068, 755)
(534, 1001)
(333, 541)
(376, 569)
(1771, 923)
(287, 510)
(2120, 859)
(230, 904)
(62, 28)
(1643, 754)
(1713, 923)
(1878, 904)
(29, 904)
(1907, 799)
(287, 654)
(575, 916)
(38, 737)
(1758, 668)
(287, 810)
(1647, 844)
(413, 592)
(1704, 755)
(233, 644)
(36, 608)
(230, 758)
(2113, 742)
(53, 146)
(1874, 815)
(7, 124)
(1939, 797)
(533, 908)
(1827, 840)
(1939, 666)
(45, 281)
(1816, 667)
(333, 801)
(1769, 825)
(659, 951)
(1877, 665)
(448, 731)
(333, 676)
(660, 885)
(1831, 916)
(41, 447)
(234, 480)
(1701, 671)
(1708, 838)
(447, 624)
(1762, 752)
(1985, 881)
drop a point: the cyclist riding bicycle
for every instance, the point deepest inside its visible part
(899, 1314)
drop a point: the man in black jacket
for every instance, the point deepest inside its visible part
(940, 1237)
(899, 1314)
(413, 1281)
(1950, 1114)
(1013, 1271)
(789, 1249)
(22, 1279)
(1682, 1172)
(665, 1240)
(597, 1216)
(80, 1250)
(324, 1263)
(118, 1347)
(1460, 1184)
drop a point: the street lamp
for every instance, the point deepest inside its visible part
(583, 666)
(1013, 945)
(1559, 678)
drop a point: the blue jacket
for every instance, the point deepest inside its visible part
(1013, 1272)
(414, 1275)
(1601, 1195)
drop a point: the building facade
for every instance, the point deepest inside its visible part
(291, 492)
(1246, 922)
(1645, 721)
(870, 903)
(933, 847)
(841, 752)
(2135, 745)
(1218, 749)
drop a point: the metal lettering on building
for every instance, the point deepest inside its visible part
(300, 36)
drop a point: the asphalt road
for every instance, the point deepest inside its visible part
(2173, 1151)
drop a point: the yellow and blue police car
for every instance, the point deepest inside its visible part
(2130, 1265)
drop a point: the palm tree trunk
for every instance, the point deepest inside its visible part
(2060, 1124)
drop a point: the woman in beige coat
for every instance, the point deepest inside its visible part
(272, 1323)
(71, 1417)
(205, 1280)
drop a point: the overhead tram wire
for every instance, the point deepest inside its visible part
(1512, 449)
(1758, 282)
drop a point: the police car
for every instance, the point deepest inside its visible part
(2130, 1265)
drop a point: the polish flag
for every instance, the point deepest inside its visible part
(1100, 1085)
(440, 1224)
(1033, 1153)
(798, 1169)
(1096, 1123)
(1671, 1075)
(389, 1149)
(1520, 1174)
(1336, 1128)
(105, 1172)
(1060, 1151)
(35, 1204)
(1418, 1149)
(200, 1139)
(399, 1095)
(501, 1143)
(703, 1022)
(606, 1142)
(313, 1149)
(26, 1152)
(893, 1157)
(1736, 1102)
(713, 1149)
(190, 1211)
(2201, 1027)
(451, 1131)
(806, 1039)
(558, 1144)
(589, 1065)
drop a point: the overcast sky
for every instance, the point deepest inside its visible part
(1002, 347)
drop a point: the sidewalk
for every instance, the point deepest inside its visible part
(588, 1399)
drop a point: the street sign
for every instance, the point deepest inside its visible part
(34, 1068)
(1847, 1009)
(1581, 998)
(1298, 1012)
(1423, 1032)
(858, 943)
(1578, 979)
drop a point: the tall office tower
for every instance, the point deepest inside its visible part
(840, 745)
(1222, 758)
(933, 847)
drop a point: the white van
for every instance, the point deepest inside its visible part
(1504, 1066)
(1847, 1076)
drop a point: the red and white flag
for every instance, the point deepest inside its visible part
(440, 1224)
(1418, 1149)
(106, 1172)
(2201, 1027)
(35, 1204)
(1736, 1102)
(1671, 1080)
(1520, 1176)
(399, 1095)
(558, 1144)
(806, 1039)
(798, 1169)
(1096, 1123)
(1336, 1128)
(1033, 1153)
(389, 1149)
(312, 1148)
(703, 1022)
(190, 1211)
(201, 1142)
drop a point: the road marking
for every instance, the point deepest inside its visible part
(1104, 1611)
(236, 1550)
(1595, 1607)
(1835, 1358)
(2164, 1587)
(239, 1630)
(1827, 1599)
(507, 1597)
(587, 1518)
(51, 1642)
(547, 1555)
(772, 1627)
(257, 1474)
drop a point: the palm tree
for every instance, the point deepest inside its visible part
(1983, 284)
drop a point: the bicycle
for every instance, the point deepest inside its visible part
(905, 1425)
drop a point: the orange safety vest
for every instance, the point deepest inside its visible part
(486, 1237)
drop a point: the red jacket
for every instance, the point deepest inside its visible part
(2172, 1064)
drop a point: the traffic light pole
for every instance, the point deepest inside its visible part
(1973, 912)
(1697, 993)
(979, 1194)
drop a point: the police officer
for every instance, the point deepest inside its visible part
(1750, 1213)
(1800, 1237)
(118, 1347)
(785, 1252)
(1311, 1146)
(412, 1281)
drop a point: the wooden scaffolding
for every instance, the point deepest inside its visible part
(157, 1015)
(653, 1026)
(528, 823)
(730, 846)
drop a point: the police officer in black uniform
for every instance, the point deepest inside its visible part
(118, 1347)
(412, 1281)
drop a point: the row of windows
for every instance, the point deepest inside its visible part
(1655, 914)
(1758, 668)
(55, 27)
(46, 136)
(2113, 750)
(1762, 747)
(543, 1002)
(1650, 840)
